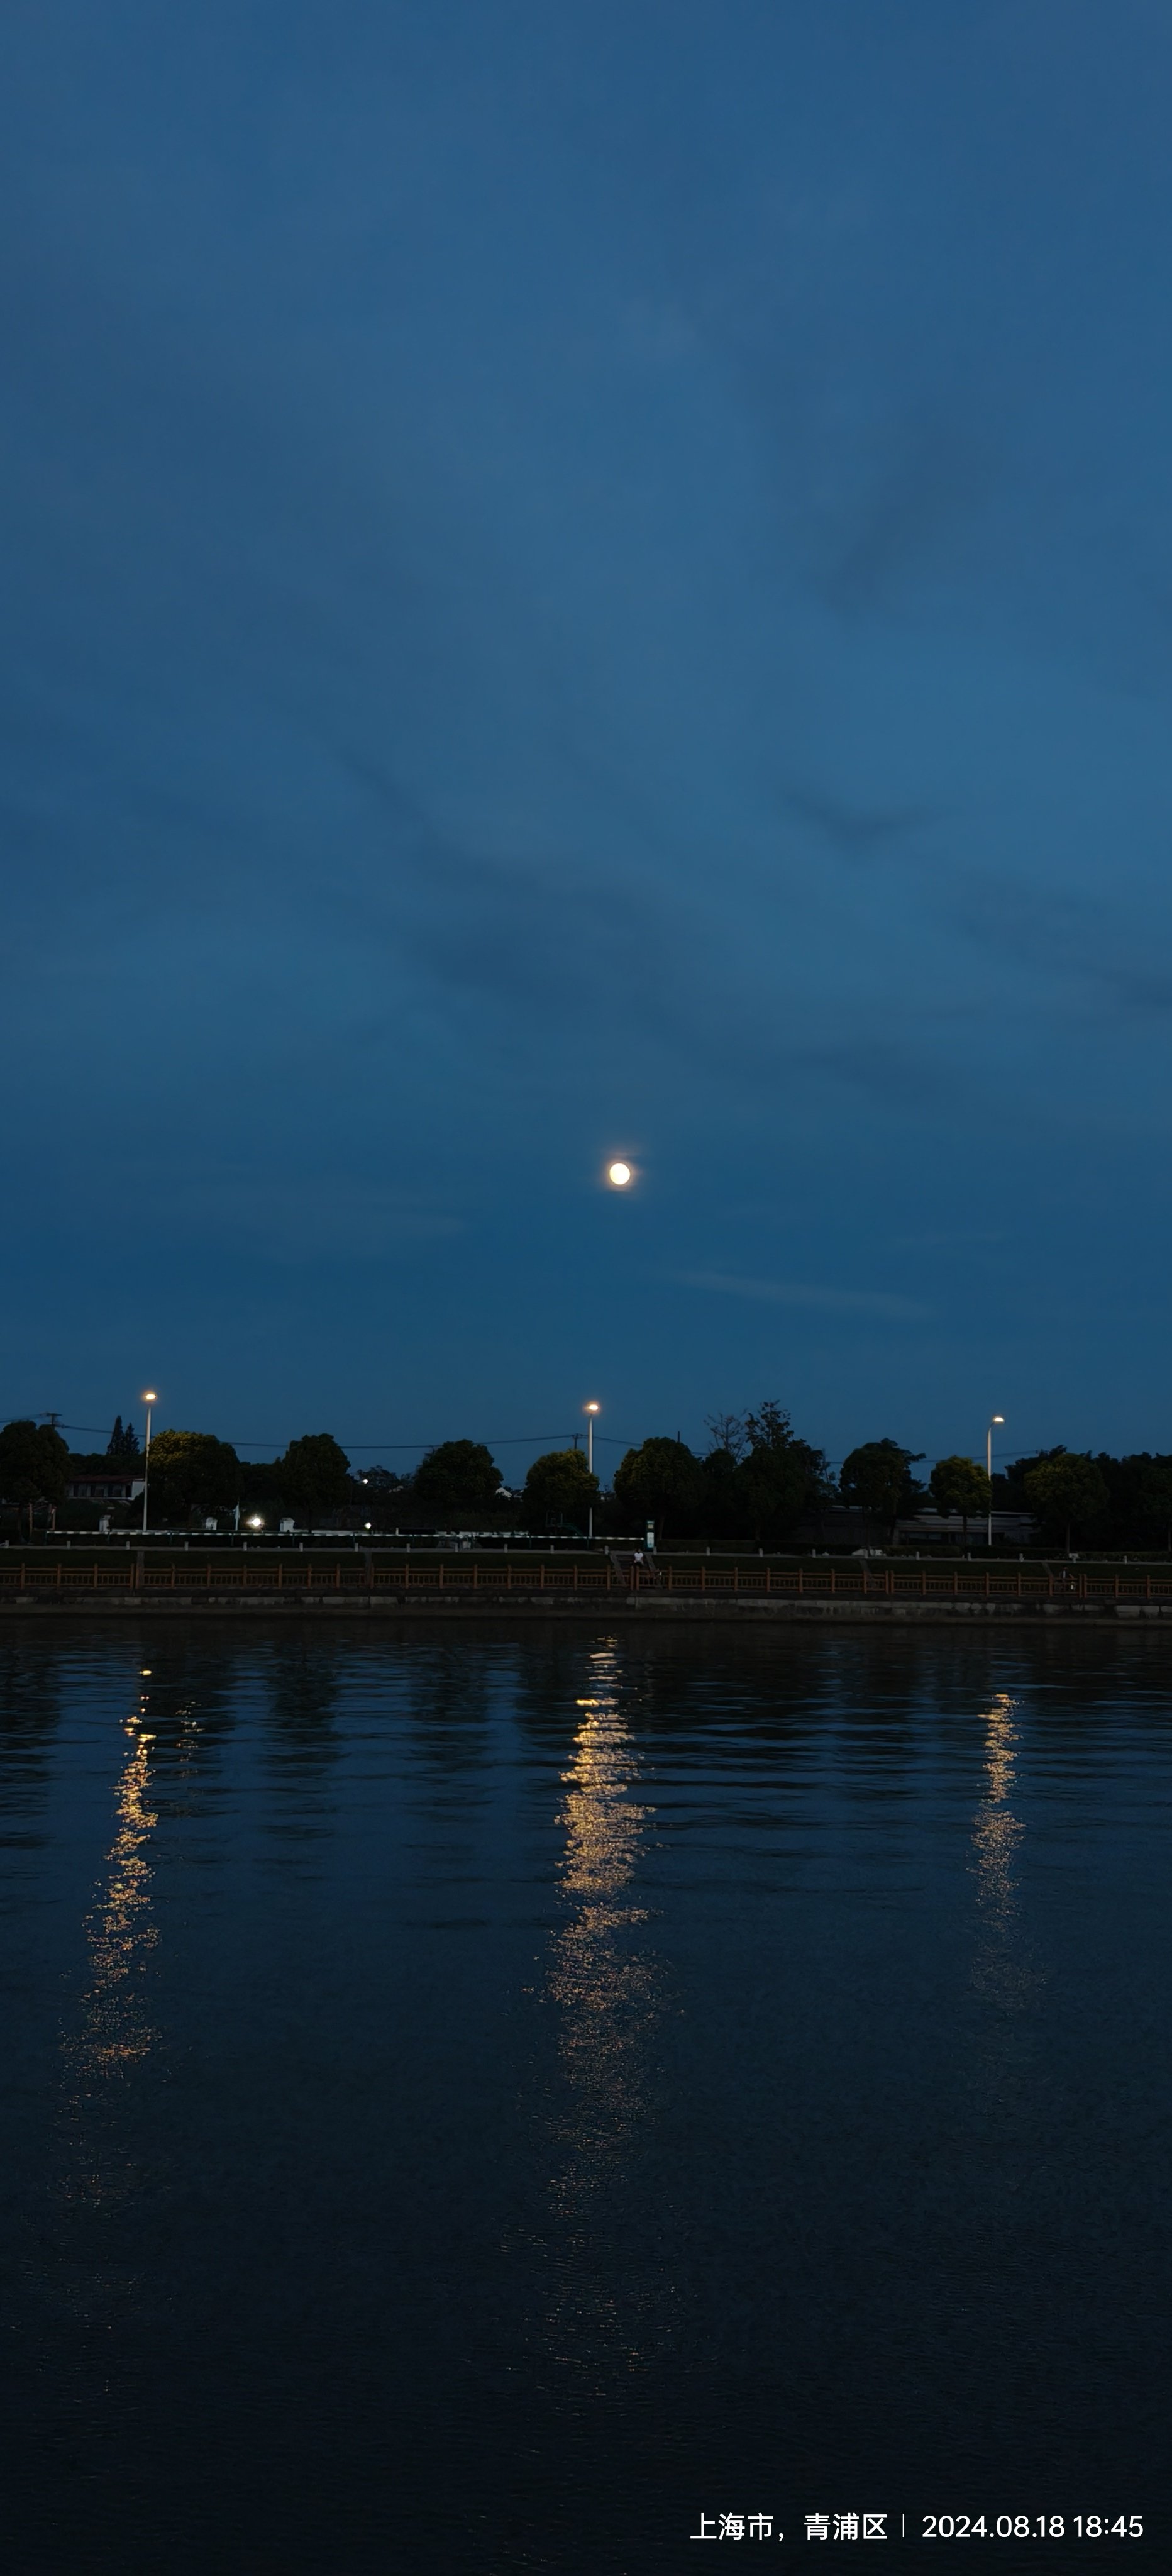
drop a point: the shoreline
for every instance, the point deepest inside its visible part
(647, 1608)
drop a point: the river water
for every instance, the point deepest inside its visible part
(513, 2098)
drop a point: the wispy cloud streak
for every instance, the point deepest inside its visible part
(792, 1292)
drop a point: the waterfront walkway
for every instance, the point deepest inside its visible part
(316, 1582)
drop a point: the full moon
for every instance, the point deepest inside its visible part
(618, 1174)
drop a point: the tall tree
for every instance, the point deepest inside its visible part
(456, 1484)
(1140, 1491)
(778, 1478)
(661, 1482)
(959, 1485)
(877, 1478)
(192, 1471)
(1067, 1491)
(559, 1492)
(720, 1512)
(728, 1434)
(123, 1440)
(314, 1475)
(1009, 1482)
(34, 1463)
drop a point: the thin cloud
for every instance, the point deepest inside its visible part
(949, 1238)
(826, 1301)
(861, 831)
(1054, 931)
(311, 1217)
(931, 491)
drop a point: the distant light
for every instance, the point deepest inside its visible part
(366, 1525)
(592, 1408)
(255, 1521)
(998, 1417)
(149, 1396)
(619, 1175)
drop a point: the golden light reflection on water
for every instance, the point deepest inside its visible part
(1000, 1970)
(605, 1984)
(115, 2033)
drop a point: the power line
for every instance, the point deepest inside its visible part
(510, 1440)
(515, 1440)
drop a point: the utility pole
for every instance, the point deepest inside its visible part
(150, 1399)
(589, 1410)
(993, 1419)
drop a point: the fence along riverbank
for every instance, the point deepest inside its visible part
(316, 1582)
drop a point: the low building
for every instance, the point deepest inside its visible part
(109, 1484)
(840, 1528)
(947, 1529)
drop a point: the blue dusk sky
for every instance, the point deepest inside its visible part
(583, 580)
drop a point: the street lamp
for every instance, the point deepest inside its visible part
(590, 1410)
(149, 1398)
(620, 1175)
(993, 1419)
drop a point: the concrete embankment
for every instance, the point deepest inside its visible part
(646, 1609)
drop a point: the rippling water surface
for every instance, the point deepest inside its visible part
(486, 2100)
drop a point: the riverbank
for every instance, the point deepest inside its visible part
(643, 1609)
(161, 1580)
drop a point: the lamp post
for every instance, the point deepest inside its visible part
(590, 1410)
(149, 1398)
(994, 1418)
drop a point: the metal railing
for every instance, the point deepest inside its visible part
(149, 1571)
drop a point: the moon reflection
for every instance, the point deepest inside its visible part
(605, 1983)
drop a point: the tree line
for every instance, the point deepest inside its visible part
(757, 1483)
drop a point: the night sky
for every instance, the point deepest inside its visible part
(588, 579)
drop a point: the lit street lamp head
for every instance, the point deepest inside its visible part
(619, 1175)
(592, 1408)
(149, 1396)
